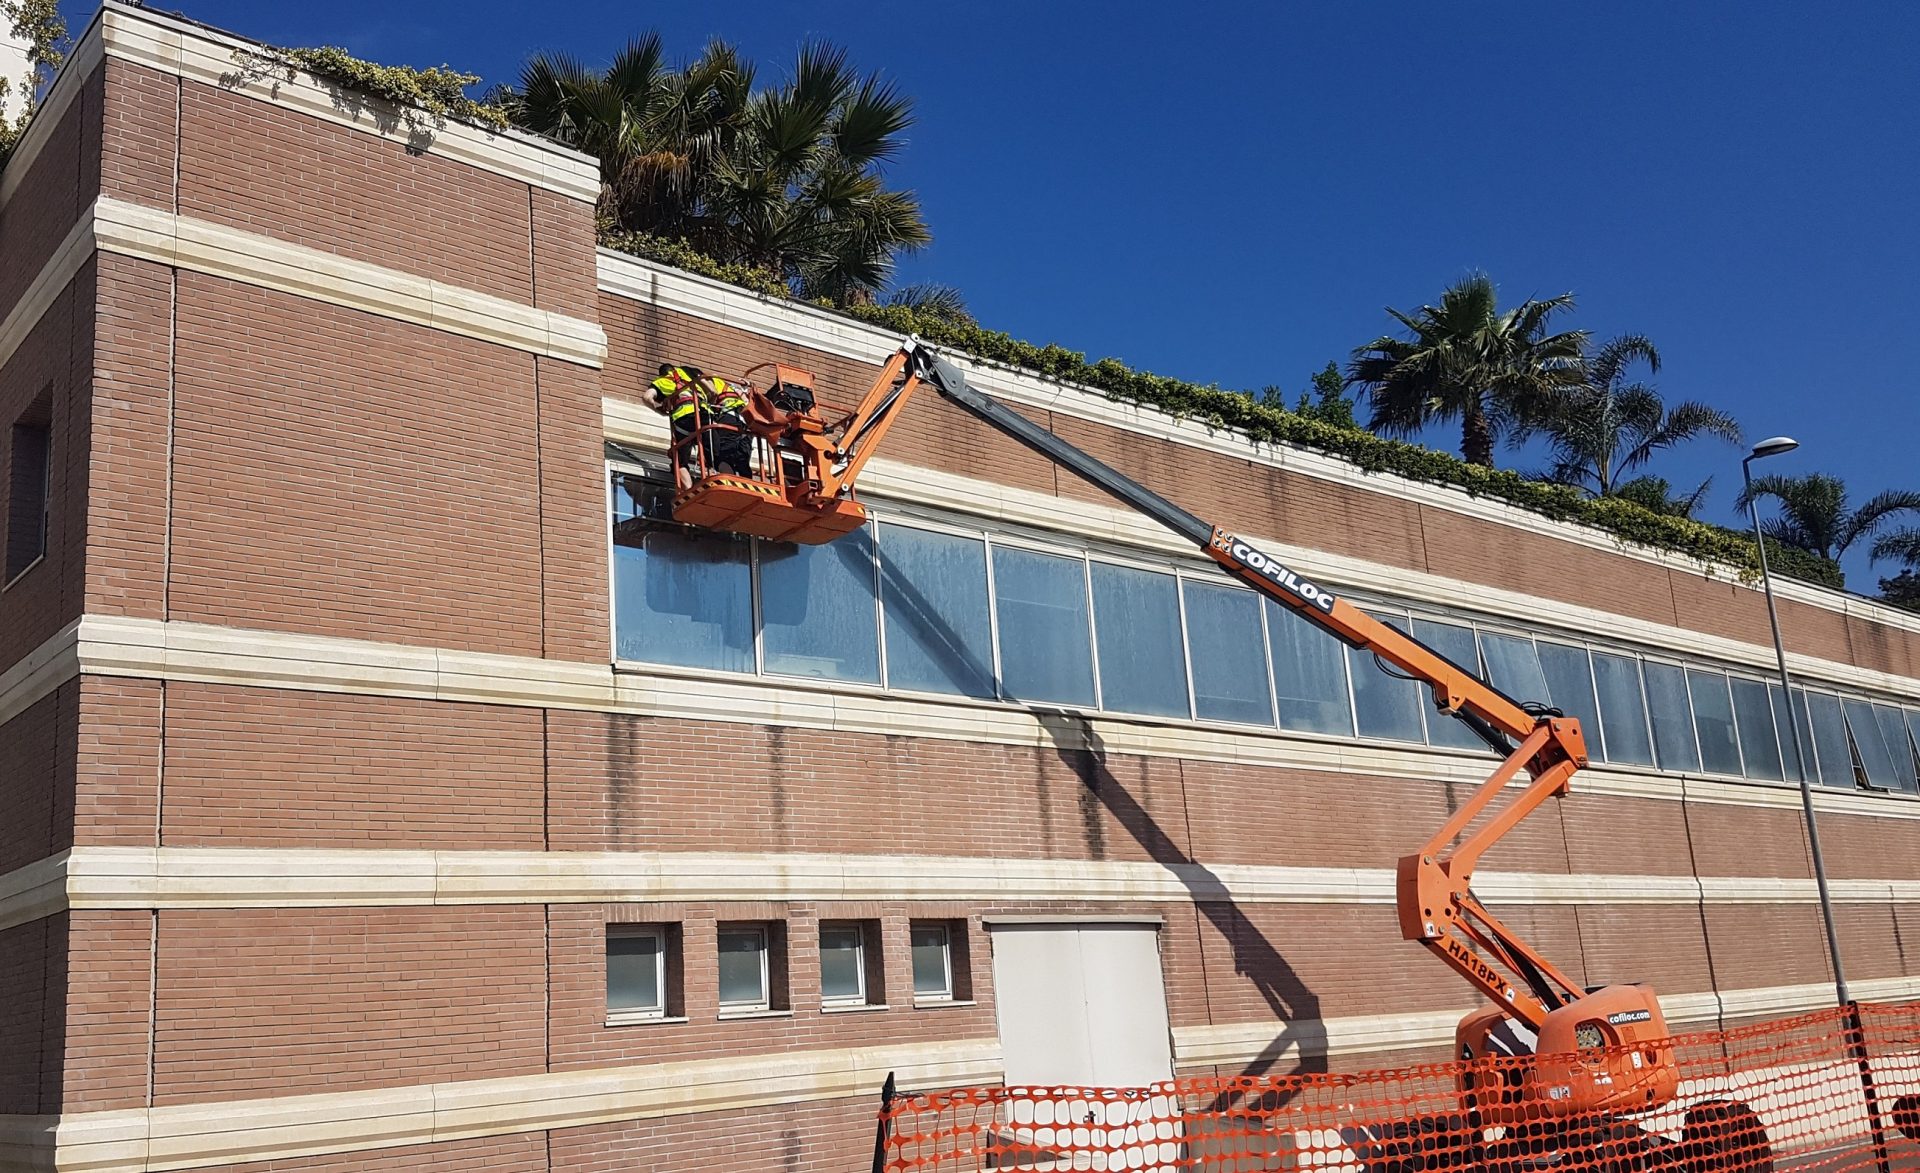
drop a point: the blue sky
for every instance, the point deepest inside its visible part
(1233, 194)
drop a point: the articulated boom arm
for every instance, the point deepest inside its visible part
(1437, 906)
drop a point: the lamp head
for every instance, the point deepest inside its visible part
(1773, 446)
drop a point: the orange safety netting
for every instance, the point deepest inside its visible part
(1828, 1092)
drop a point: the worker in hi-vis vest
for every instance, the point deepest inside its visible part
(688, 397)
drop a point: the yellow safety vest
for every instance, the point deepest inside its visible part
(678, 390)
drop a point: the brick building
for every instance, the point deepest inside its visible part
(379, 794)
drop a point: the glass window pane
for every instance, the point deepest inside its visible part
(1913, 725)
(932, 976)
(1783, 717)
(1513, 667)
(1046, 652)
(1759, 745)
(1570, 689)
(1673, 739)
(743, 973)
(1229, 665)
(816, 609)
(842, 974)
(1310, 674)
(933, 589)
(1456, 643)
(686, 599)
(1870, 743)
(1713, 720)
(633, 971)
(1623, 713)
(1385, 705)
(1137, 616)
(1831, 750)
(1893, 730)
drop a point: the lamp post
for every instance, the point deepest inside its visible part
(1774, 446)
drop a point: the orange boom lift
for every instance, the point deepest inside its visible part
(1597, 1051)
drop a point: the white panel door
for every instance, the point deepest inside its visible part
(1126, 1005)
(1081, 1004)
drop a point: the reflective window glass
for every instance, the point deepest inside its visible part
(1046, 649)
(1570, 689)
(842, 964)
(1225, 647)
(1713, 721)
(1667, 704)
(1893, 730)
(1832, 752)
(1513, 667)
(933, 592)
(932, 960)
(1783, 718)
(1759, 744)
(817, 616)
(1385, 703)
(743, 967)
(1871, 744)
(685, 599)
(1309, 674)
(634, 970)
(1456, 643)
(1136, 614)
(1623, 713)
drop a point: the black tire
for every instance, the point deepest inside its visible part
(1724, 1136)
(1424, 1144)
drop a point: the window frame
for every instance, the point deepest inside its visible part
(1091, 552)
(663, 943)
(764, 1003)
(949, 994)
(862, 996)
(43, 523)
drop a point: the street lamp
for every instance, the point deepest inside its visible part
(1774, 446)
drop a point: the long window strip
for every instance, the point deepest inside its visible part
(1726, 719)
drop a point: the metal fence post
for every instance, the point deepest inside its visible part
(883, 1131)
(1857, 1043)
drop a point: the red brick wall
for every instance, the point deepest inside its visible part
(35, 792)
(53, 192)
(288, 1001)
(26, 1018)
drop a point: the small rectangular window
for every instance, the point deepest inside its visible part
(848, 953)
(932, 943)
(1672, 712)
(642, 973)
(1046, 647)
(817, 616)
(29, 490)
(1136, 617)
(1309, 673)
(933, 590)
(1713, 721)
(745, 969)
(1229, 659)
(1759, 742)
(1623, 710)
(1385, 703)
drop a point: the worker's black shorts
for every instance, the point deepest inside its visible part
(731, 450)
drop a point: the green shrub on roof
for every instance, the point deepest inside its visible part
(1236, 411)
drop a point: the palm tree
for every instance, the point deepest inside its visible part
(1902, 546)
(941, 303)
(786, 178)
(1814, 515)
(656, 130)
(1466, 360)
(1613, 426)
(799, 188)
